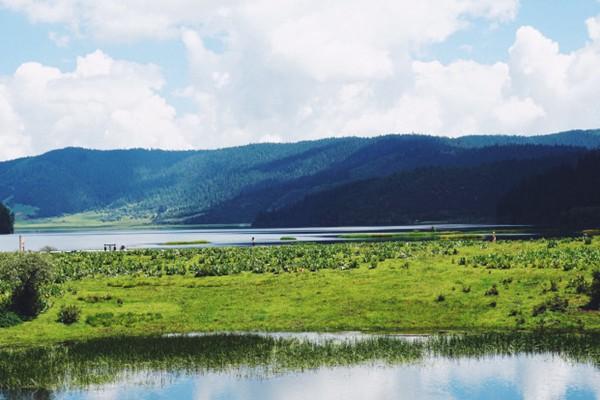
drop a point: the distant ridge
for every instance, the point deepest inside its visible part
(239, 183)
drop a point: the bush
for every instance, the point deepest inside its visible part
(373, 263)
(578, 284)
(493, 291)
(440, 298)
(594, 291)
(8, 319)
(556, 304)
(587, 240)
(69, 314)
(28, 279)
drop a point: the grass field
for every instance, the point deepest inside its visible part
(90, 220)
(376, 287)
(85, 220)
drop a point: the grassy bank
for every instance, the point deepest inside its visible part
(378, 287)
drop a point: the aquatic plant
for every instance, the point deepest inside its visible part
(77, 365)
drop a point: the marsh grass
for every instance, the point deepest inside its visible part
(81, 364)
(185, 242)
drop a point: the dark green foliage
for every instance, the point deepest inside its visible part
(555, 304)
(25, 280)
(594, 291)
(69, 314)
(446, 193)
(95, 299)
(493, 291)
(568, 196)
(7, 220)
(578, 284)
(440, 298)
(8, 319)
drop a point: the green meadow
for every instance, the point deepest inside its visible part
(400, 287)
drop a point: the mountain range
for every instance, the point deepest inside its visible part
(343, 181)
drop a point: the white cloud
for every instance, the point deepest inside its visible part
(291, 70)
(102, 103)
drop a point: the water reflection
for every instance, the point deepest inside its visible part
(310, 366)
(537, 377)
(155, 238)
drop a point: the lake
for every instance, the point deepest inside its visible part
(291, 366)
(155, 238)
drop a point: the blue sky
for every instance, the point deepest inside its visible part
(185, 75)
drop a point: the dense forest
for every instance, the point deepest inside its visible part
(451, 194)
(264, 182)
(568, 195)
(7, 220)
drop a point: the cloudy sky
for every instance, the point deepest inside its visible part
(190, 74)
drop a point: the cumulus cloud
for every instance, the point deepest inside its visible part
(291, 70)
(102, 103)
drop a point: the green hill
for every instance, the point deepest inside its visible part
(234, 185)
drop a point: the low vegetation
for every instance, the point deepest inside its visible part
(185, 242)
(431, 286)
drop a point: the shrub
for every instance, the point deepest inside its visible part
(578, 284)
(48, 249)
(507, 281)
(69, 314)
(440, 298)
(466, 289)
(8, 319)
(587, 240)
(373, 263)
(28, 278)
(594, 291)
(493, 291)
(556, 304)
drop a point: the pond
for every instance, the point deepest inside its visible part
(309, 366)
(156, 238)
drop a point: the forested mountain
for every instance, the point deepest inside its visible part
(566, 195)
(7, 220)
(452, 194)
(376, 161)
(236, 184)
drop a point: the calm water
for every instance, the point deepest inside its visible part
(227, 368)
(95, 239)
(537, 377)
